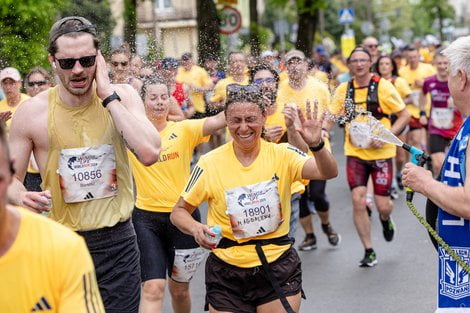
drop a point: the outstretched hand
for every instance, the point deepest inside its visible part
(311, 130)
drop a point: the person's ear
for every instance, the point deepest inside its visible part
(463, 79)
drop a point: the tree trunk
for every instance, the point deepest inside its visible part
(254, 35)
(208, 29)
(307, 26)
(130, 23)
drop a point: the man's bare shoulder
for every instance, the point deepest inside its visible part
(32, 110)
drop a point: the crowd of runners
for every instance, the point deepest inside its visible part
(123, 151)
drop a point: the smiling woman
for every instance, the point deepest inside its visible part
(247, 183)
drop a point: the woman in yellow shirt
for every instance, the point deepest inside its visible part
(247, 183)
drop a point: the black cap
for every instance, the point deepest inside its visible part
(58, 29)
(169, 63)
(186, 56)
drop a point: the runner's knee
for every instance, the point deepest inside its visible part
(153, 290)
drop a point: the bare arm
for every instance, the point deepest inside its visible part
(129, 116)
(175, 113)
(422, 104)
(214, 123)
(453, 200)
(182, 219)
(401, 122)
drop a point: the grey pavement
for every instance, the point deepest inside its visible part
(405, 279)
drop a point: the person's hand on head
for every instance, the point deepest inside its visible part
(103, 84)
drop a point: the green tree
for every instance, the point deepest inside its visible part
(24, 32)
(130, 22)
(208, 29)
(99, 13)
(428, 12)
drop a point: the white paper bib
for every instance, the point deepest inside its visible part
(254, 210)
(186, 263)
(359, 134)
(87, 173)
(442, 118)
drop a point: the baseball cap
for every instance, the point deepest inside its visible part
(58, 29)
(294, 54)
(169, 63)
(267, 53)
(321, 50)
(186, 56)
(10, 72)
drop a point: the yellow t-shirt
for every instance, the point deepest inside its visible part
(89, 126)
(321, 76)
(389, 101)
(283, 76)
(5, 107)
(402, 87)
(220, 170)
(420, 73)
(47, 269)
(159, 186)
(339, 64)
(198, 77)
(220, 91)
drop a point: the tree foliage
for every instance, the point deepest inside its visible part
(24, 31)
(208, 29)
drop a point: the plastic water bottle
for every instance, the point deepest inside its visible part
(217, 231)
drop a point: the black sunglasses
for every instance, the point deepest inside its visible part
(116, 64)
(68, 64)
(250, 93)
(38, 83)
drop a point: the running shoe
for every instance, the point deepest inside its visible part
(394, 193)
(309, 243)
(369, 260)
(333, 237)
(388, 229)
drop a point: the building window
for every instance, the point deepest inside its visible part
(163, 4)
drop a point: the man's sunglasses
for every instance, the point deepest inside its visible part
(38, 83)
(116, 64)
(68, 64)
(236, 92)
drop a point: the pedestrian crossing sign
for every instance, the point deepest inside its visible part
(346, 16)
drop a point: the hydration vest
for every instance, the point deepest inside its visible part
(372, 101)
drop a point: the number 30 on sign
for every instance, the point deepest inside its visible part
(230, 21)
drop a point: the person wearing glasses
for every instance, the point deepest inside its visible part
(164, 250)
(44, 266)
(36, 81)
(79, 132)
(120, 68)
(371, 44)
(297, 90)
(10, 80)
(366, 156)
(247, 183)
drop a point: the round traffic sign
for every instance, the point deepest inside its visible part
(230, 21)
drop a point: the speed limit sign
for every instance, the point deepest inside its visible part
(230, 21)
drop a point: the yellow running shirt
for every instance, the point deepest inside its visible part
(198, 77)
(389, 101)
(159, 185)
(402, 87)
(220, 88)
(219, 171)
(79, 128)
(47, 269)
(423, 71)
(5, 107)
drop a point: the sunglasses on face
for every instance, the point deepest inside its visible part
(116, 64)
(267, 80)
(38, 83)
(251, 93)
(372, 46)
(68, 64)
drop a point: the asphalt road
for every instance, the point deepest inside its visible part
(405, 279)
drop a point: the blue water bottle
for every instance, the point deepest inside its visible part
(217, 231)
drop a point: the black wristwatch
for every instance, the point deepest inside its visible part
(108, 99)
(317, 147)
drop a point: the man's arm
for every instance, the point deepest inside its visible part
(453, 200)
(129, 116)
(403, 118)
(422, 105)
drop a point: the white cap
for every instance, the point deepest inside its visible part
(10, 72)
(267, 53)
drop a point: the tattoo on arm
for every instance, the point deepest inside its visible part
(128, 146)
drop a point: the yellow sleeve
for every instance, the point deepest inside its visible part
(205, 78)
(196, 190)
(219, 92)
(193, 130)
(403, 88)
(80, 293)
(389, 98)
(324, 96)
(339, 96)
(296, 159)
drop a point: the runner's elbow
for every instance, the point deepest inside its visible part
(149, 155)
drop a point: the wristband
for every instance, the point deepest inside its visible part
(422, 113)
(108, 99)
(317, 147)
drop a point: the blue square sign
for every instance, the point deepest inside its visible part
(346, 16)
